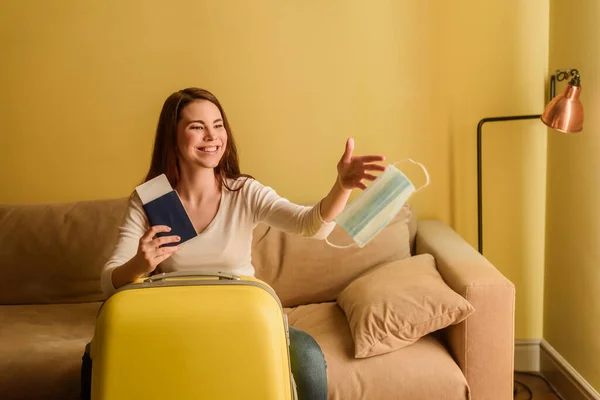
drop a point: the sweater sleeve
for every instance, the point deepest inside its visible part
(268, 207)
(134, 225)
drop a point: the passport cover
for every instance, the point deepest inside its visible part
(168, 210)
(163, 206)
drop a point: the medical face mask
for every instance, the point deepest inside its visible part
(377, 205)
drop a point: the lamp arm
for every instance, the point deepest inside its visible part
(479, 174)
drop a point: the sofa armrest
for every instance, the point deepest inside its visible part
(483, 344)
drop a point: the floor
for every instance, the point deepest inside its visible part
(538, 386)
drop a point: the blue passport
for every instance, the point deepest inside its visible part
(163, 206)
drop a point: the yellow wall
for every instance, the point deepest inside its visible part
(572, 286)
(83, 83)
(494, 56)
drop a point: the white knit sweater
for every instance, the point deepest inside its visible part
(225, 244)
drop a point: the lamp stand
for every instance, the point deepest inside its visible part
(564, 114)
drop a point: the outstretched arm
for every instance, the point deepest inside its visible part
(316, 221)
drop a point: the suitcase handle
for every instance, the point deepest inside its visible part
(190, 274)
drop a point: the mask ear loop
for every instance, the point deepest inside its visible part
(340, 247)
(427, 180)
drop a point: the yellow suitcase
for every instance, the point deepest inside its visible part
(185, 336)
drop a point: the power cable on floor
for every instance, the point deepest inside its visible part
(534, 374)
(516, 391)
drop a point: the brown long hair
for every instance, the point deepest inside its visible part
(164, 154)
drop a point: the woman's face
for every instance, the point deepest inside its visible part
(201, 135)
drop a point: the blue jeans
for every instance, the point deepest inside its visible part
(308, 367)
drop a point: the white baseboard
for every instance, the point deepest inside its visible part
(527, 355)
(563, 377)
(537, 355)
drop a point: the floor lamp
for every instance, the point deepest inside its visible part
(564, 113)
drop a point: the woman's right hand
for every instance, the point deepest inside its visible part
(150, 254)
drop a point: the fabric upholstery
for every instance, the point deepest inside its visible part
(483, 344)
(424, 370)
(41, 348)
(394, 305)
(306, 271)
(53, 253)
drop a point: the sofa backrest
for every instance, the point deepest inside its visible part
(54, 253)
(304, 271)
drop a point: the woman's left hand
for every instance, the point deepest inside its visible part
(352, 170)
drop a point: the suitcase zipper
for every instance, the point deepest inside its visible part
(221, 281)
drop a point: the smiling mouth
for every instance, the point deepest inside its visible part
(209, 149)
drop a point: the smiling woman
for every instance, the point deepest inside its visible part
(195, 149)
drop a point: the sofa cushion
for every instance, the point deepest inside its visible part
(394, 305)
(423, 370)
(303, 270)
(41, 348)
(53, 253)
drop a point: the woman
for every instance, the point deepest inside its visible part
(194, 148)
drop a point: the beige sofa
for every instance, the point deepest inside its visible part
(50, 261)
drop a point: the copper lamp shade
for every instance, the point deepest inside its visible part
(565, 112)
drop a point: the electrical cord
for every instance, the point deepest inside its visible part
(534, 374)
(537, 375)
(516, 391)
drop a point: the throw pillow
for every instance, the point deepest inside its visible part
(394, 305)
